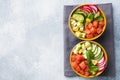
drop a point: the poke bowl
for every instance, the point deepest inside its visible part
(88, 59)
(87, 22)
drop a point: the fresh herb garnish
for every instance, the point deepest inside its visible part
(92, 68)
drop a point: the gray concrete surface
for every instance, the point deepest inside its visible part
(31, 38)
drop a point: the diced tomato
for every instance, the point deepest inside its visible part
(101, 23)
(90, 25)
(77, 69)
(82, 65)
(99, 30)
(74, 65)
(73, 57)
(89, 36)
(86, 73)
(82, 72)
(95, 24)
(87, 31)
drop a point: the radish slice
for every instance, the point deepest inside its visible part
(101, 68)
(87, 7)
(102, 64)
(94, 8)
(101, 60)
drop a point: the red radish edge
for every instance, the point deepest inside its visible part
(86, 9)
(94, 8)
(102, 64)
(101, 60)
(101, 68)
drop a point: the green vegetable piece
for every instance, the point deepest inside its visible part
(97, 14)
(100, 18)
(91, 16)
(90, 56)
(80, 12)
(94, 68)
(78, 17)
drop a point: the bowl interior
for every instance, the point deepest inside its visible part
(70, 26)
(105, 56)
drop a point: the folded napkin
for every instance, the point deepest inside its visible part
(106, 40)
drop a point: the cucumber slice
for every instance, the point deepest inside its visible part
(98, 52)
(81, 12)
(93, 47)
(78, 17)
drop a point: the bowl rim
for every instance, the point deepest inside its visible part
(105, 55)
(69, 24)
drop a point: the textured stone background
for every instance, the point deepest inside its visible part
(31, 38)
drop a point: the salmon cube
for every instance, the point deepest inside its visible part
(74, 65)
(73, 58)
(82, 65)
(79, 57)
(77, 69)
(82, 72)
(87, 74)
(86, 69)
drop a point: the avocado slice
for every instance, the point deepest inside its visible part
(97, 14)
(98, 52)
(99, 57)
(93, 47)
